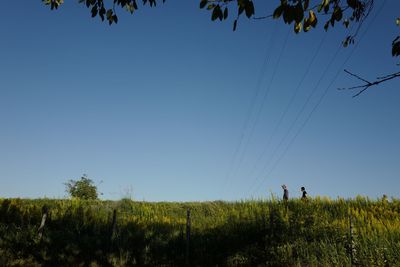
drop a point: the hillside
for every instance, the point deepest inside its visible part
(317, 232)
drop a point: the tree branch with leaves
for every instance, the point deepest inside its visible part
(303, 14)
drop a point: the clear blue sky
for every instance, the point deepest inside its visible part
(157, 105)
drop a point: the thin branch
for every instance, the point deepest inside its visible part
(264, 17)
(389, 76)
(358, 77)
(367, 84)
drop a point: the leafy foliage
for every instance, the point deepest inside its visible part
(396, 42)
(82, 189)
(54, 4)
(302, 13)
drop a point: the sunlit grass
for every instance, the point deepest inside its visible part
(315, 232)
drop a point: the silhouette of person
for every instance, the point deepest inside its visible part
(285, 193)
(304, 195)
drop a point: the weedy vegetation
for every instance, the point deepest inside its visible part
(317, 232)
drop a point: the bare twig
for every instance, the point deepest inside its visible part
(367, 84)
(264, 17)
(358, 77)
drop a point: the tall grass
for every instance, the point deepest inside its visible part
(247, 233)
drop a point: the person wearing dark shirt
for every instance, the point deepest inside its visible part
(303, 190)
(285, 193)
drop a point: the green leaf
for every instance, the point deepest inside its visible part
(297, 27)
(241, 9)
(203, 3)
(306, 27)
(346, 23)
(102, 11)
(211, 6)
(326, 26)
(398, 21)
(134, 4)
(326, 9)
(220, 15)
(396, 47)
(109, 13)
(337, 14)
(225, 12)
(152, 3)
(249, 9)
(94, 11)
(130, 8)
(298, 13)
(306, 4)
(216, 13)
(234, 25)
(278, 12)
(346, 41)
(324, 5)
(288, 14)
(312, 19)
(352, 3)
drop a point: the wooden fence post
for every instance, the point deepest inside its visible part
(45, 212)
(271, 225)
(351, 240)
(187, 237)
(113, 226)
(264, 229)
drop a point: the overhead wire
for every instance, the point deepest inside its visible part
(287, 108)
(321, 97)
(253, 101)
(303, 108)
(299, 113)
(260, 109)
(276, 150)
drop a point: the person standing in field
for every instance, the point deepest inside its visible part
(304, 195)
(285, 193)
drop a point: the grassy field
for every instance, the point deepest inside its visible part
(317, 232)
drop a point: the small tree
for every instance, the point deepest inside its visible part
(83, 188)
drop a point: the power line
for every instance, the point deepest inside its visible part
(322, 96)
(287, 108)
(258, 114)
(249, 112)
(300, 112)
